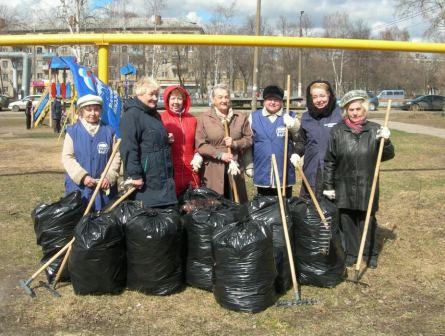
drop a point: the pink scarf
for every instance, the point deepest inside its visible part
(357, 126)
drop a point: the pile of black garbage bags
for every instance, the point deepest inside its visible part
(236, 251)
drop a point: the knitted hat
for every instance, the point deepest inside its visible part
(273, 91)
(351, 96)
(89, 99)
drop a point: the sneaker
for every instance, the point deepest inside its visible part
(372, 262)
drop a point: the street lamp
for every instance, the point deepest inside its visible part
(299, 58)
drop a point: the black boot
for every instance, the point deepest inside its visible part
(372, 262)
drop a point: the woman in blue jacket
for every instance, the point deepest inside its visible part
(316, 125)
(87, 147)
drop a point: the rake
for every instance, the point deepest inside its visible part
(371, 199)
(297, 301)
(25, 284)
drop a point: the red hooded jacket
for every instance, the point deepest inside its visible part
(182, 126)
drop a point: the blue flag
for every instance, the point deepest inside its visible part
(87, 83)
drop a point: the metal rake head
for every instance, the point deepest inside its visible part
(297, 301)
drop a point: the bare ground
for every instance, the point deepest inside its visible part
(406, 295)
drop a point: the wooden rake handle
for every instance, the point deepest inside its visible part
(371, 197)
(286, 139)
(231, 177)
(283, 219)
(313, 198)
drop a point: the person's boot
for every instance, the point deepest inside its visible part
(372, 262)
(350, 260)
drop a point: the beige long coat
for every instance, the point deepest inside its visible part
(209, 142)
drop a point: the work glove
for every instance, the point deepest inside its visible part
(249, 172)
(383, 132)
(233, 168)
(196, 162)
(295, 159)
(329, 194)
(291, 122)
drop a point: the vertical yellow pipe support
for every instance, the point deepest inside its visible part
(102, 61)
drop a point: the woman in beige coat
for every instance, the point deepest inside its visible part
(213, 145)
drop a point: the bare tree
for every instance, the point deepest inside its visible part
(432, 10)
(337, 25)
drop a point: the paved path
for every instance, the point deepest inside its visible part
(412, 128)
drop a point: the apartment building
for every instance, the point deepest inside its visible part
(162, 62)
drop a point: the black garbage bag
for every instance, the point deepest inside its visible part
(266, 209)
(153, 239)
(126, 210)
(54, 226)
(97, 261)
(200, 223)
(313, 267)
(244, 272)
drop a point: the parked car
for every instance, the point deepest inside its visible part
(397, 97)
(21, 104)
(373, 101)
(425, 103)
(4, 101)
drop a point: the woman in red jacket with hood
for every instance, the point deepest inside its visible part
(181, 126)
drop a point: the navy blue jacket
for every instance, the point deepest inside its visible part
(146, 154)
(312, 142)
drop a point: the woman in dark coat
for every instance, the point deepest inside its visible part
(145, 148)
(349, 170)
(316, 125)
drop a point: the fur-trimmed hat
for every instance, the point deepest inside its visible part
(273, 91)
(353, 95)
(89, 99)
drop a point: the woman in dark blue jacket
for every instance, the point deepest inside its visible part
(316, 125)
(145, 148)
(349, 170)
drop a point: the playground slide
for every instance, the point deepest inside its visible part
(41, 106)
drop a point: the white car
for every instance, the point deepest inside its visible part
(21, 104)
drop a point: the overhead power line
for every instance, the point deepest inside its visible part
(405, 18)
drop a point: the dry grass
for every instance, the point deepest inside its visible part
(406, 294)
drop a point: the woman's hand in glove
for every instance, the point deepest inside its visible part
(329, 194)
(384, 133)
(295, 159)
(196, 162)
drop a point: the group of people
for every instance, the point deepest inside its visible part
(164, 154)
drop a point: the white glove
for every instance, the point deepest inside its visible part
(329, 194)
(291, 122)
(233, 168)
(383, 132)
(196, 162)
(295, 159)
(249, 172)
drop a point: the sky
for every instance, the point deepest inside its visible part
(378, 14)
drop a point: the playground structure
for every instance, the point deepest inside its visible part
(64, 90)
